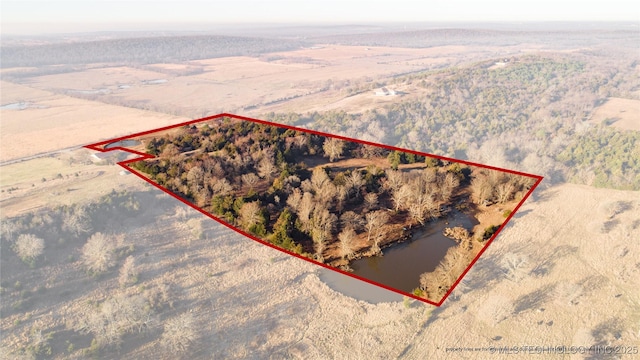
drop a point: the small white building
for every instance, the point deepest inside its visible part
(385, 92)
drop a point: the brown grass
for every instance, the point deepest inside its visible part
(622, 113)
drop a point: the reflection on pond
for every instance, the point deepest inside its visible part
(123, 143)
(401, 265)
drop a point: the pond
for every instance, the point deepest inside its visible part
(23, 105)
(123, 143)
(357, 289)
(15, 106)
(401, 265)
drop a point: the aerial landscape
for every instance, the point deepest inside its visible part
(330, 199)
(394, 152)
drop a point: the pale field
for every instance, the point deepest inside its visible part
(68, 179)
(242, 311)
(225, 85)
(624, 112)
(64, 122)
(107, 77)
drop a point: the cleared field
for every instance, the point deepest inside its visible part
(58, 121)
(107, 77)
(620, 113)
(66, 179)
(231, 84)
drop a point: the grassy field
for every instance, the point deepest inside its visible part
(620, 113)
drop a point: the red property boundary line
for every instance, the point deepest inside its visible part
(142, 156)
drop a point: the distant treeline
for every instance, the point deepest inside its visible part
(141, 50)
(489, 37)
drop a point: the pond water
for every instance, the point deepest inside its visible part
(23, 105)
(15, 106)
(154, 82)
(103, 91)
(357, 289)
(401, 265)
(123, 143)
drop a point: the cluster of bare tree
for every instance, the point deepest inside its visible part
(251, 173)
(434, 285)
(421, 192)
(493, 186)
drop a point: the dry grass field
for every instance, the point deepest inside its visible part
(575, 285)
(56, 121)
(310, 79)
(621, 113)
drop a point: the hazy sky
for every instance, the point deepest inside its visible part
(76, 15)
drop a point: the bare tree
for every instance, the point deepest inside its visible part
(294, 199)
(438, 282)
(394, 180)
(341, 196)
(515, 266)
(179, 333)
(481, 190)
(194, 226)
(418, 210)
(28, 247)
(250, 180)
(76, 221)
(319, 179)
(266, 168)
(306, 208)
(128, 272)
(320, 184)
(371, 200)
(322, 225)
(195, 178)
(98, 253)
(449, 183)
(221, 187)
(170, 152)
(374, 227)
(401, 196)
(504, 192)
(353, 220)
(346, 245)
(250, 214)
(333, 148)
(354, 182)
(115, 317)
(300, 141)
(9, 229)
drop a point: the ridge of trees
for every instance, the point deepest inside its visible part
(145, 50)
(520, 116)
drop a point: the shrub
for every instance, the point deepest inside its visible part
(489, 231)
(98, 253)
(29, 247)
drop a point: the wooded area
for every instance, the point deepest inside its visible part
(541, 104)
(324, 198)
(141, 50)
